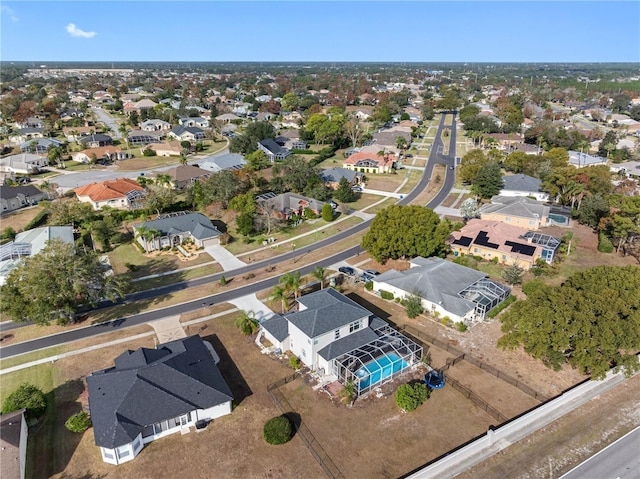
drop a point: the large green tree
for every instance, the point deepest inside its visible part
(53, 284)
(488, 181)
(471, 164)
(592, 321)
(406, 231)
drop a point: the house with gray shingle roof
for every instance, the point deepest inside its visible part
(172, 229)
(447, 289)
(15, 197)
(273, 150)
(523, 185)
(517, 211)
(332, 177)
(216, 164)
(287, 205)
(151, 393)
(341, 340)
(189, 133)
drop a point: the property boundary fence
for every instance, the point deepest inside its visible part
(477, 400)
(309, 440)
(475, 361)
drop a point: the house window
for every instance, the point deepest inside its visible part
(354, 326)
(315, 341)
(123, 451)
(308, 341)
(508, 219)
(476, 250)
(336, 334)
(137, 443)
(504, 257)
(304, 353)
(532, 222)
(107, 454)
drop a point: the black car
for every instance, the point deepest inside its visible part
(347, 270)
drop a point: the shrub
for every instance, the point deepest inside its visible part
(79, 422)
(131, 267)
(462, 327)
(410, 396)
(386, 295)
(294, 362)
(8, 233)
(277, 430)
(494, 260)
(38, 220)
(148, 152)
(495, 311)
(413, 306)
(604, 244)
(27, 396)
(223, 281)
(368, 285)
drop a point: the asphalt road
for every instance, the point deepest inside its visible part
(141, 318)
(105, 118)
(619, 460)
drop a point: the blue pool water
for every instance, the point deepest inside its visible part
(376, 371)
(559, 219)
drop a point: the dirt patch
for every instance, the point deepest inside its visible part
(19, 219)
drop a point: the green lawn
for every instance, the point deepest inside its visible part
(174, 277)
(41, 376)
(26, 358)
(152, 263)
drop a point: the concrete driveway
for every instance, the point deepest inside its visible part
(222, 256)
(252, 303)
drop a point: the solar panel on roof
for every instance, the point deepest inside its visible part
(483, 240)
(464, 241)
(525, 249)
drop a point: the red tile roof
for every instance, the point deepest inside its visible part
(109, 190)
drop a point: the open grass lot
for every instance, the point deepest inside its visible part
(386, 182)
(412, 181)
(146, 162)
(20, 218)
(232, 446)
(151, 263)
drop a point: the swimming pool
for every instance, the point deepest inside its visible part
(558, 219)
(375, 371)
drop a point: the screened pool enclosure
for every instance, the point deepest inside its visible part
(377, 362)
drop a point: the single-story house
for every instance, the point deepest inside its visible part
(151, 393)
(580, 160)
(184, 175)
(103, 153)
(216, 164)
(448, 289)
(23, 163)
(227, 118)
(16, 197)
(627, 168)
(75, 133)
(332, 176)
(516, 210)
(506, 141)
(361, 112)
(172, 229)
(189, 133)
(336, 337)
(139, 137)
(171, 148)
(509, 244)
(286, 205)
(290, 139)
(194, 121)
(96, 140)
(388, 138)
(40, 146)
(30, 243)
(523, 185)
(367, 162)
(273, 150)
(31, 122)
(25, 134)
(13, 445)
(121, 193)
(155, 125)
(144, 104)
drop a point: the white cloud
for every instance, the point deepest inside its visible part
(9, 12)
(76, 32)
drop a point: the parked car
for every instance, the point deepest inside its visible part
(357, 189)
(333, 204)
(369, 274)
(347, 270)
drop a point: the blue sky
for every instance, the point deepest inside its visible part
(378, 31)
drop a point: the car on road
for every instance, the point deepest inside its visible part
(408, 155)
(347, 270)
(451, 167)
(357, 189)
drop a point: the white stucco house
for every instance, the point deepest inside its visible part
(151, 393)
(523, 185)
(462, 294)
(336, 337)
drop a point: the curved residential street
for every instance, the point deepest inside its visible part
(73, 335)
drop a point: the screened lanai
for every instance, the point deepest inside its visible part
(486, 294)
(549, 244)
(378, 361)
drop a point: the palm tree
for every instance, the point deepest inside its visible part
(291, 282)
(247, 323)
(319, 273)
(282, 295)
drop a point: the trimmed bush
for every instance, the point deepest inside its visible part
(410, 396)
(368, 285)
(386, 295)
(495, 311)
(277, 430)
(604, 244)
(27, 396)
(294, 362)
(461, 327)
(38, 220)
(79, 422)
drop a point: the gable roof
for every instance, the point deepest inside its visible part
(183, 173)
(38, 237)
(9, 192)
(271, 145)
(99, 137)
(10, 434)
(436, 280)
(109, 190)
(334, 175)
(197, 224)
(147, 386)
(365, 156)
(181, 130)
(519, 206)
(325, 310)
(230, 161)
(291, 202)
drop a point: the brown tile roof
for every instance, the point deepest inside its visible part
(186, 172)
(101, 151)
(379, 159)
(109, 190)
(171, 145)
